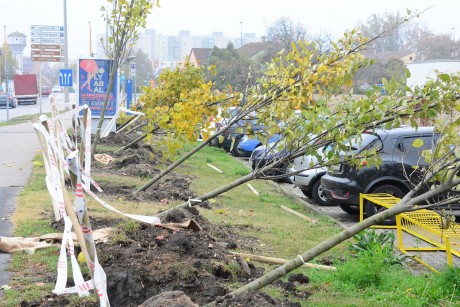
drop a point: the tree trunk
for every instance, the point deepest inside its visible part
(181, 160)
(135, 141)
(97, 136)
(207, 196)
(321, 248)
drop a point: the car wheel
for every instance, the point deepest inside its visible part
(307, 193)
(371, 209)
(318, 195)
(349, 209)
(234, 149)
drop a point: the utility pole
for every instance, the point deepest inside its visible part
(241, 24)
(66, 52)
(6, 77)
(90, 39)
(453, 44)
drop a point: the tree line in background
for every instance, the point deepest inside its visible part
(232, 66)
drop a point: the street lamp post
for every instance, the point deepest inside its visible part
(453, 43)
(66, 53)
(241, 24)
(6, 77)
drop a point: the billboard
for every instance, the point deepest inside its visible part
(93, 81)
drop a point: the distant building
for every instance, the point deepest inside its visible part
(170, 50)
(200, 56)
(404, 56)
(17, 42)
(421, 72)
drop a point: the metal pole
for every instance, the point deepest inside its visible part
(40, 86)
(241, 23)
(90, 46)
(453, 44)
(66, 52)
(6, 77)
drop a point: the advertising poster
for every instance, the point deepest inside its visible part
(93, 81)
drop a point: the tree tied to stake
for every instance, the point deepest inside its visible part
(124, 20)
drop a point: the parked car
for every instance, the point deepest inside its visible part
(56, 89)
(247, 145)
(343, 183)
(45, 91)
(12, 103)
(230, 139)
(309, 180)
(266, 154)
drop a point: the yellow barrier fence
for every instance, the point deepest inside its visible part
(427, 231)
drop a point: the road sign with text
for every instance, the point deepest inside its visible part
(65, 77)
(47, 43)
(46, 28)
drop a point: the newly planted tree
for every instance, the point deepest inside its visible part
(124, 20)
(183, 106)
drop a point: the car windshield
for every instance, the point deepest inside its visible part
(357, 144)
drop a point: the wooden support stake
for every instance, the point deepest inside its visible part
(253, 190)
(314, 221)
(215, 168)
(282, 261)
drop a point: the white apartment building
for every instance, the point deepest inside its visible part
(170, 50)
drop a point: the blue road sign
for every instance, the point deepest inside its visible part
(65, 77)
(129, 93)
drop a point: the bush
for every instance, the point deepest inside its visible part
(381, 245)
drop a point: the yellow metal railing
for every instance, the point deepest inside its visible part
(425, 225)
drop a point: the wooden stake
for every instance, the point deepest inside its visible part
(314, 221)
(253, 190)
(215, 168)
(282, 261)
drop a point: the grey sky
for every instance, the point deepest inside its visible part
(202, 17)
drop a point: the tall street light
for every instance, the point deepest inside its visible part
(66, 52)
(241, 24)
(453, 43)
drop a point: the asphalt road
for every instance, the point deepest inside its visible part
(27, 109)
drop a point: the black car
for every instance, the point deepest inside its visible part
(232, 136)
(343, 183)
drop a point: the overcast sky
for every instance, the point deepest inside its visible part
(202, 17)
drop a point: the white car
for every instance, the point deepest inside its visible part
(309, 180)
(56, 89)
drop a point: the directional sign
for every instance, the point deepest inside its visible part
(47, 59)
(43, 52)
(36, 34)
(46, 28)
(133, 69)
(65, 77)
(47, 47)
(46, 40)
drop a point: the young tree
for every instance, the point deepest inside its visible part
(124, 20)
(11, 63)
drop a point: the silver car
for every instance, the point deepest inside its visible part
(309, 180)
(8, 97)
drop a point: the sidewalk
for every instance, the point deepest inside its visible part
(18, 147)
